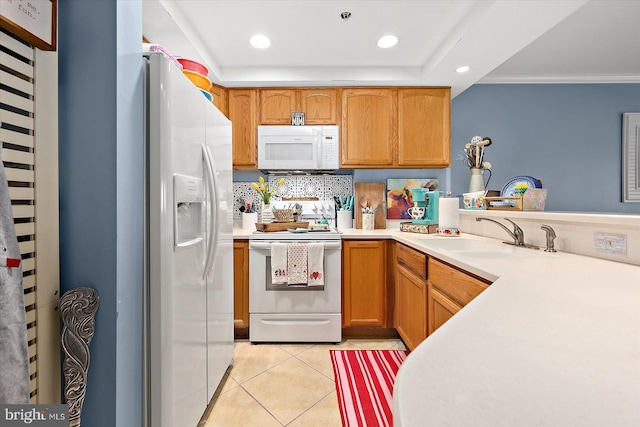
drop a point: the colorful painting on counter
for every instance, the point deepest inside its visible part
(400, 195)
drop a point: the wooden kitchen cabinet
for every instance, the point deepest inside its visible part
(241, 283)
(440, 309)
(220, 99)
(318, 105)
(364, 281)
(276, 106)
(243, 115)
(424, 127)
(449, 289)
(396, 127)
(369, 128)
(411, 295)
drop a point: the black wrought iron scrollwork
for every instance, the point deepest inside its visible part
(78, 308)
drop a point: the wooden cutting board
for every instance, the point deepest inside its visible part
(279, 226)
(375, 194)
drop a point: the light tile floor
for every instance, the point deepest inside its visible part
(283, 385)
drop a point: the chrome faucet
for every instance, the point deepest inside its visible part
(551, 235)
(517, 234)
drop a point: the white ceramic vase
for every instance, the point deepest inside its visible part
(267, 214)
(477, 180)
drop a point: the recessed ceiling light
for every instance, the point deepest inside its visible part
(260, 42)
(387, 41)
(463, 69)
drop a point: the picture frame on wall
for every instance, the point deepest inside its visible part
(631, 157)
(400, 194)
(33, 21)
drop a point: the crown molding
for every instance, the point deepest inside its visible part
(564, 79)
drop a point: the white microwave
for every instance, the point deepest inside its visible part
(282, 148)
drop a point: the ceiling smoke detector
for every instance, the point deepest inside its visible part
(345, 16)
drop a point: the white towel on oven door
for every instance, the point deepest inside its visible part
(279, 263)
(315, 254)
(297, 263)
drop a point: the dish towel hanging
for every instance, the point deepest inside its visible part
(14, 353)
(297, 263)
(316, 264)
(279, 263)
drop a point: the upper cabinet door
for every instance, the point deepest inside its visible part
(320, 106)
(243, 116)
(369, 128)
(276, 106)
(424, 127)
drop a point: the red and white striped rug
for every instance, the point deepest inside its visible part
(364, 382)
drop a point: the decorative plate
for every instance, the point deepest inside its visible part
(509, 189)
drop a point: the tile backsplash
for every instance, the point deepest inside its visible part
(324, 187)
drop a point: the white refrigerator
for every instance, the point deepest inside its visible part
(189, 253)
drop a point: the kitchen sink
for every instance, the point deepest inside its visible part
(480, 249)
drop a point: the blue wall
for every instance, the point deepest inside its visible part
(569, 136)
(130, 214)
(101, 206)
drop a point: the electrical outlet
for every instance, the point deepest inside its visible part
(610, 242)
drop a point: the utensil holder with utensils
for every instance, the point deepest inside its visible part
(368, 221)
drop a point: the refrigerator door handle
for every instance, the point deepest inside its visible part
(212, 240)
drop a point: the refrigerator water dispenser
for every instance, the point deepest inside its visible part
(188, 196)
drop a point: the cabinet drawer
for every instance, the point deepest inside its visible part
(412, 260)
(458, 286)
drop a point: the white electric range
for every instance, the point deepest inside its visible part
(296, 313)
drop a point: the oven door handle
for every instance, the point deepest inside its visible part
(267, 244)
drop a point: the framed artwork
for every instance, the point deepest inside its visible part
(34, 21)
(400, 194)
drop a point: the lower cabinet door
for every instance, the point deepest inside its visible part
(241, 284)
(412, 308)
(440, 309)
(364, 283)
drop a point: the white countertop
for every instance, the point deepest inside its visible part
(555, 341)
(241, 233)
